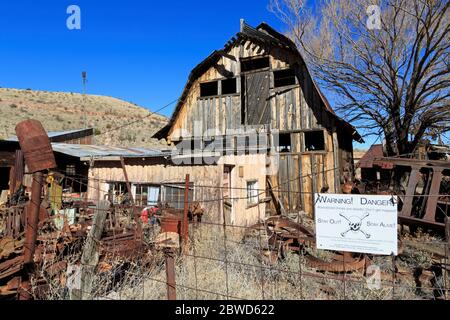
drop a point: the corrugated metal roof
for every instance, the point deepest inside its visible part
(88, 151)
(375, 151)
(53, 134)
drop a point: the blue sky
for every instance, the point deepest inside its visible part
(137, 50)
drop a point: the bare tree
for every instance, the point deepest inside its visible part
(388, 64)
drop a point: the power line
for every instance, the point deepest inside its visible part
(140, 119)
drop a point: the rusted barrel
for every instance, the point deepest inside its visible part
(36, 147)
(170, 223)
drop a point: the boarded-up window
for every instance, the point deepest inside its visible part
(208, 89)
(314, 141)
(255, 64)
(229, 86)
(283, 78)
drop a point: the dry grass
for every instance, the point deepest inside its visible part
(225, 267)
(204, 274)
(59, 111)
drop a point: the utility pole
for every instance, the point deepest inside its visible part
(84, 75)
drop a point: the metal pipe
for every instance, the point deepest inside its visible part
(170, 274)
(186, 210)
(31, 236)
(33, 218)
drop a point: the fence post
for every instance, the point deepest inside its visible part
(170, 274)
(91, 252)
(185, 213)
(31, 235)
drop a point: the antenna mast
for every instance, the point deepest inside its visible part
(84, 75)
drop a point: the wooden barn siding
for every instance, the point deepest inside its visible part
(192, 108)
(299, 108)
(216, 113)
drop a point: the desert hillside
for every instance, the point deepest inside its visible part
(60, 111)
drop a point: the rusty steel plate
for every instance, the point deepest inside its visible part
(36, 147)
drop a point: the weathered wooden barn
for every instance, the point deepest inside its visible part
(260, 83)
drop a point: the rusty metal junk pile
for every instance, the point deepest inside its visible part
(284, 234)
(281, 235)
(34, 247)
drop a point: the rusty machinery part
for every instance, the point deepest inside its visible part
(36, 147)
(284, 234)
(426, 209)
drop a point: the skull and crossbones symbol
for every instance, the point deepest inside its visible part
(354, 224)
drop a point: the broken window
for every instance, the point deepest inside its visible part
(174, 195)
(208, 89)
(146, 195)
(229, 86)
(314, 141)
(252, 192)
(255, 64)
(117, 192)
(284, 143)
(283, 78)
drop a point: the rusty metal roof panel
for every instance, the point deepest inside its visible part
(91, 151)
(56, 134)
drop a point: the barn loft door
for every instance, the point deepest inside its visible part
(256, 98)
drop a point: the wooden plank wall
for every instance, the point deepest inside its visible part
(208, 178)
(293, 110)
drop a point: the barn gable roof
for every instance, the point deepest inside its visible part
(263, 35)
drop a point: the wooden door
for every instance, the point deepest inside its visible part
(257, 98)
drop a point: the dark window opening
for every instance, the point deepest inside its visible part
(255, 64)
(314, 141)
(284, 143)
(209, 89)
(229, 86)
(283, 78)
(4, 181)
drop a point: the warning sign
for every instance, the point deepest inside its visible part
(356, 223)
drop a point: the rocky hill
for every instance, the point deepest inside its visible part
(59, 111)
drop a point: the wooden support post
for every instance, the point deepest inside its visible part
(91, 252)
(134, 213)
(432, 200)
(413, 180)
